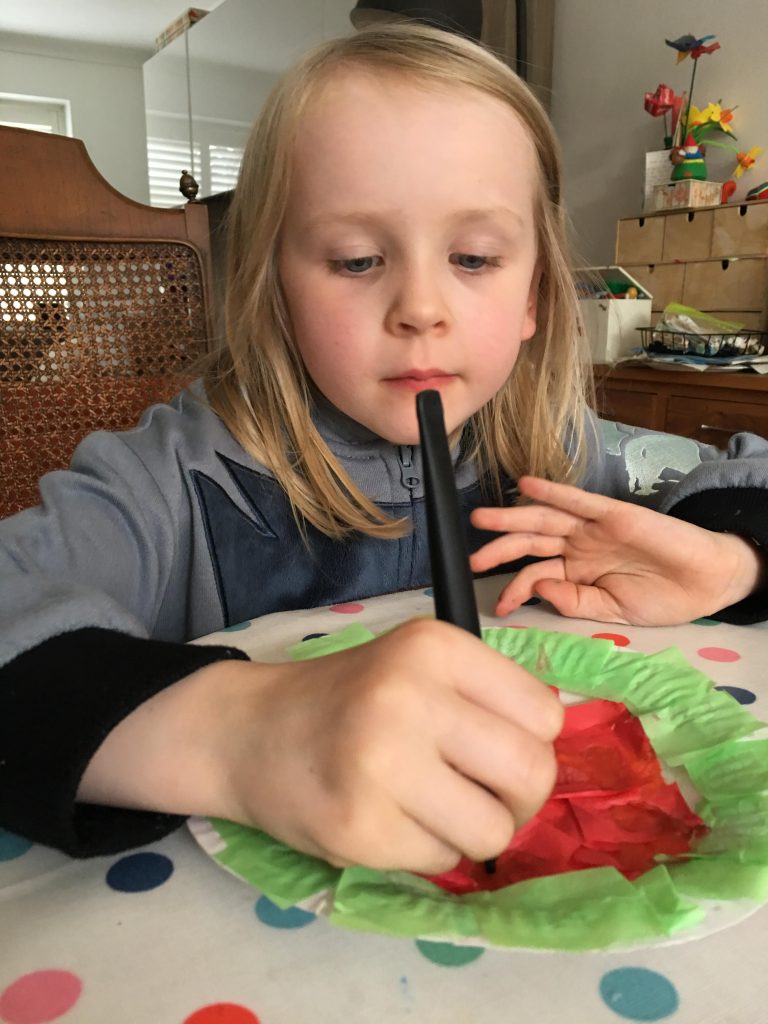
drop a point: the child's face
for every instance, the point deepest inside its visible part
(408, 255)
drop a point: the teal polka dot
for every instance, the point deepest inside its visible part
(705, 622)
(446, 954)
(236, 627)
(277, 917)
(635, 993)
(429, 592)
(12, 846)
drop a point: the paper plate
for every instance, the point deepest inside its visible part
(710, 745)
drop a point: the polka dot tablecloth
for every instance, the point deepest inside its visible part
(162, 935)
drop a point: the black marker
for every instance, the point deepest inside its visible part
(448, 555)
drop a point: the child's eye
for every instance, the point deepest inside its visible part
(470, 261)
(356, 265)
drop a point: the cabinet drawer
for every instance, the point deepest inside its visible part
(740, 230)
(638, 408)
(662, 281)
(713, 420)
(640, 240)
(726, 284)
(688, 236)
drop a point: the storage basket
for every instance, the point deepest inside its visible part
(731, 345)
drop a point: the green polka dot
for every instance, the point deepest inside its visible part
(705, 622)
(448, 955)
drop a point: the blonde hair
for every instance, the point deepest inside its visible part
(256, 380)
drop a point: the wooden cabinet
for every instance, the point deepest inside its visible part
(714, 259)
(706, 406)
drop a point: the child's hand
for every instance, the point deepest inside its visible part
(403, 753)
(614, 561)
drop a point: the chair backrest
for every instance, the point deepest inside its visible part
(104, 305)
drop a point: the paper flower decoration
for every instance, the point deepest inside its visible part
(712, 118)
(693, 129)
(746, 160)
(693, 47)
(659, 102)
(635, 865)
(662, 102)
(690, 46)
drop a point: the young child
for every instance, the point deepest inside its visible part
(397, 226)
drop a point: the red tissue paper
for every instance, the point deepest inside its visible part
(610, 807)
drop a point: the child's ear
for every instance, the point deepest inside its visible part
(531, 309)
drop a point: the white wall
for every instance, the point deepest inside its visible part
(104, 87)
(236, 55)
(607, 54)
(225, 100)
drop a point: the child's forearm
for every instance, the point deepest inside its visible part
(171, 753)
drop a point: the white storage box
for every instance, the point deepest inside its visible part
(613, 305)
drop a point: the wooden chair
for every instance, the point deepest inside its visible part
(104, 305)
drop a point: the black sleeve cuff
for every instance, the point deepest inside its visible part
(58, 702)
(739, 510)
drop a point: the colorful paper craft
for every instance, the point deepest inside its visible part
(635, 864)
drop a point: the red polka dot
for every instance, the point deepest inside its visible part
(618, 638)
(222, 1013)
(346, 609)
(39, 997)
(515, 627)
(718, 654)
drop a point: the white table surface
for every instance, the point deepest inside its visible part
(163, 935)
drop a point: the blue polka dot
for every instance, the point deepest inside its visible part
(139, 872)
(446, 954)
(312, 636)
(429, 592)
(236, 627)
(292, 917)
(742, 696)
(638, 994)
(12, 846)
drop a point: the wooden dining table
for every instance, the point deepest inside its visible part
(164, 935)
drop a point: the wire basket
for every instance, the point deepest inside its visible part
(730, 346)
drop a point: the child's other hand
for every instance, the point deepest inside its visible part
(614, 561)
(404, 753)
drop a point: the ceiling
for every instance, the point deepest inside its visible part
(126, 23)
(264, 34)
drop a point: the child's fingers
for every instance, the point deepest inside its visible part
(526, 519)
(513, 546)
(522, 587)
(397, 842)
(578, 601)
(460, 813)
(517, 766)
(573, 600)
(571, 499)
(496, 685)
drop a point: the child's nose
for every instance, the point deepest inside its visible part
(418, 306)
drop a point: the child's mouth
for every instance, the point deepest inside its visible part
(421, 380)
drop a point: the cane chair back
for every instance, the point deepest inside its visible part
(104, 306)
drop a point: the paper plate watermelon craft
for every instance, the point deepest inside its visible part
(657, 830)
